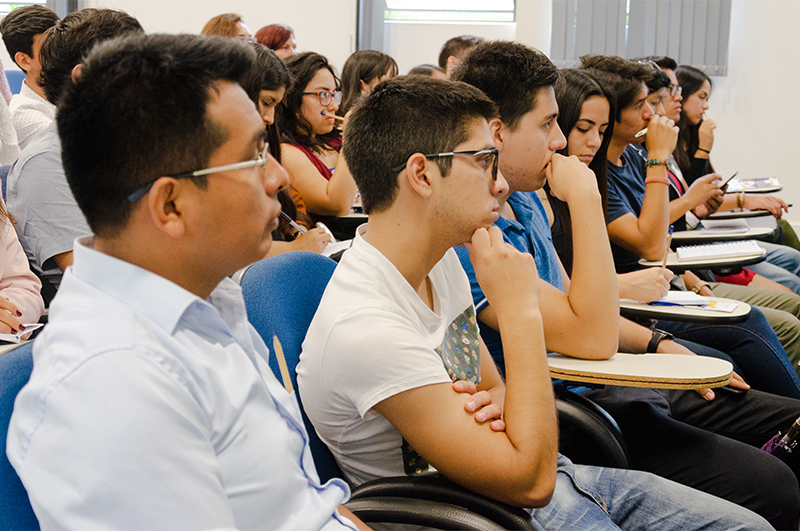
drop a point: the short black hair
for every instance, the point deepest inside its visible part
(403, 116)
(622, 76)
(510, 73)
(139, 112)
(68, 42)
(21, 25)
(457, 46)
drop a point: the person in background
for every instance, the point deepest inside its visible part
(23, 33)
(362, 71)
(266, 85)
(5, 88)
(278, 38)
(39, 198)
(455, 49)
(20, 289)
(228, 25)
(428, 70)
(161, 410)
(311, 140)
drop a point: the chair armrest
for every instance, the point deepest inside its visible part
(437, 488)
(587, 433)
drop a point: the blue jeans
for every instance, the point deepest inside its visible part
(782, 265)
(751, 346)
(593, 498)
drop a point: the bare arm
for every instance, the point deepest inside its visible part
(332, 197)
(344, 511)
(63, 260)
(701, 191)
(646, 235)
(315, 241)
(518, 465)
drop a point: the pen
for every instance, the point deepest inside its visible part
(300, 228)
(323, 113)
(641, 133)
(666, 252)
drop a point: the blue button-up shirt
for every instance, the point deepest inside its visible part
(149, 407)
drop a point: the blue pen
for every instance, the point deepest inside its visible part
(666, 252)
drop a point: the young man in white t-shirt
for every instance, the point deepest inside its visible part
(393, 373)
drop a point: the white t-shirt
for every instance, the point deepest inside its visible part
(372, 338)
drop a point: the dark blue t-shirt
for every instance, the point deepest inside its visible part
(625, 196)
(530, 233)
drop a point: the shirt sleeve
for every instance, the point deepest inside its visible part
(17, 283)
(129, 459)
(383, 359)
(50, 219)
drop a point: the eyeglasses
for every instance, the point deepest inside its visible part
(487, 158)
(260, 161)
(675, 90)
(326, 95)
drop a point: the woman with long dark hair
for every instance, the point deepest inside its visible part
(362, 71)
(584, 111)
(266, 85)
(311, 141)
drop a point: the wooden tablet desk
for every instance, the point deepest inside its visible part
(679, 267)
(692, 237)
(7, 347)
(659, 371)
(642, 310)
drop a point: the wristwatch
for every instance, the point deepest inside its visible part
(658, 337)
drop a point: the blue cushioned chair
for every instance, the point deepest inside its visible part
(15, 79)
(4, 179)
(282, 294)
(15, 508)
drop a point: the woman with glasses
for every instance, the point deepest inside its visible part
(362, 71)
(311, 141)
(266, 85)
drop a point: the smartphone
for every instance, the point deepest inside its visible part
(729, 179)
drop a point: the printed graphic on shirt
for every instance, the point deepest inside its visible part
(460, 350)
(460, 353)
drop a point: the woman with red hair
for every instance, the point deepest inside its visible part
(279, 38)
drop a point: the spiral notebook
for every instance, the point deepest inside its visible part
(718, 251)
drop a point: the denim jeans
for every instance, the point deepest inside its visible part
(594, 498)
(781, 265)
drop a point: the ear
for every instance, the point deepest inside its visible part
(499, 133)
(23, 60)
(365, 88)
(76, 72)
(452, 62)
(415, 174)
(165, 201)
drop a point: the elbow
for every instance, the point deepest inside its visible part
(540, 493)
(653, 252)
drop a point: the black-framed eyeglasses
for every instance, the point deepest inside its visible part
(487, 158)
(675, 90)
(326, 95)
(260, 161)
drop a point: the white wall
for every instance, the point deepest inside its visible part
(328, 27)
(755, 105)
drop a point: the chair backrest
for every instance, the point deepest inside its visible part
(15, 507)
(282, 294)
(15, 79)
(4, 179)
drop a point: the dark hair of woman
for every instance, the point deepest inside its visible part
(270, 73)
(294, 128)
(691, 80)
(366, 66)
(572, 90)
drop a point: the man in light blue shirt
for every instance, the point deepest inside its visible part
(151, 404)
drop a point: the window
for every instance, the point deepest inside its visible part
(449, 11)
(692, 32)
